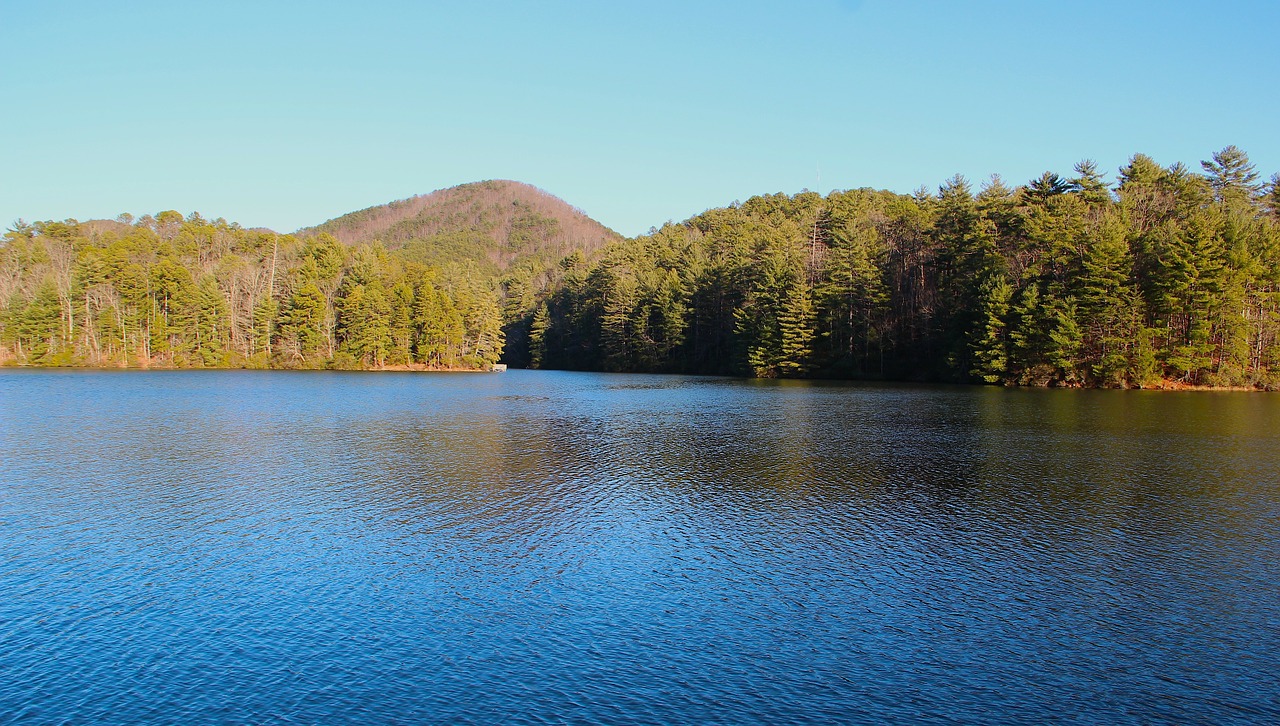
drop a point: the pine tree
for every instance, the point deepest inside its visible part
(40, 327)
(852, 297)
(1065, 343)
(486, 331)
(966, 258)
(301, 324)
(1233, 178)
(209, 314)
(618, 334)
(1272, 200)
(1109, 311)
(990, 348)
(1028, 337)
(796, 333)
(1090, 185)
(265, 320)
(438, 327)
(401, 323)
(1047, 185)
(538, 335)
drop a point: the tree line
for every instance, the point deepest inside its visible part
(1169, 275)
(183, 291)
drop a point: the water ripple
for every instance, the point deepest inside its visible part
(549, 548)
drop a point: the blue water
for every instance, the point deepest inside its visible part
(540, 547)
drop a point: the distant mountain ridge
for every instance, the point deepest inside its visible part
(497, 224)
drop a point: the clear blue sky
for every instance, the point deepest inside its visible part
(287, 114)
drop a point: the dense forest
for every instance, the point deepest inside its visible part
(1169, 276)
(182, 291)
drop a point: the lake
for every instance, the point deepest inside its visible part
(546, 547)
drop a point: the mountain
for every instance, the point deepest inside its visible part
(497, 224)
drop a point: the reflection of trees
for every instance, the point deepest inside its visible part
(502, 479)
(1029, 538)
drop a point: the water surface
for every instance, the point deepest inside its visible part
(554, 547)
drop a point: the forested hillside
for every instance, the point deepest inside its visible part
(496, 225)
(182, 291)
(1166, 276)
(1169, 276)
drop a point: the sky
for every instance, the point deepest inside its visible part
(284, 115)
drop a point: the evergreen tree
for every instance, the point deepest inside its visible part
(1175, 274)
(796, 333)
(1233, 177)
(1028, 337)
(40, 328)
(1108, 304)
(1090, 185)
(990, 348)
(538, 335)
(301, 324)
(209, 324)
(966, 259)
(401, 323)
(1272, 200)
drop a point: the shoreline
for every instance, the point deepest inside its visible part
(396, 368)
(1165, 385)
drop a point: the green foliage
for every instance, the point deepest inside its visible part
(40, 325)
(364, 323)
(1233, 177)
(538, 336)
(182, 291)
(301, 332)
(990, 348)
(796, 333)
(1170, 276)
